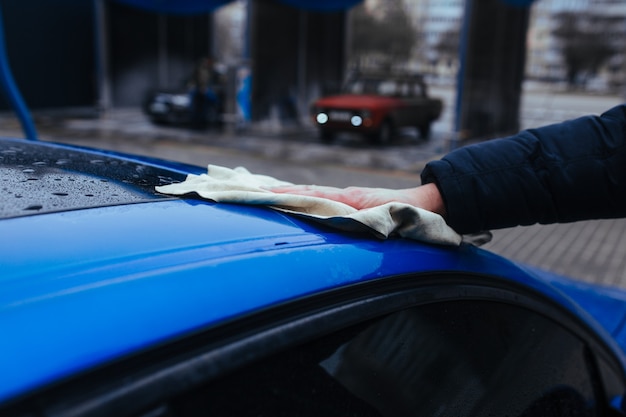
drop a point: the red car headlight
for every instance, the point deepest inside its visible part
(321, 117)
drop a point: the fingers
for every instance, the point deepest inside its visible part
(357, 197)
(289, 188)
(331, 193)
(304, 189)
(425, 196)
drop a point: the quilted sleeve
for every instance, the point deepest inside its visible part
(575, 170)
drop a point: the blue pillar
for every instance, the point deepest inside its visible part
(11, 91)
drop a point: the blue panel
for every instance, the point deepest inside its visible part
(606, 304)
(11, 91)
(83, 287)
(111, 281)
(176, 6)
(322, 5)
(519, 3)
(207, 6)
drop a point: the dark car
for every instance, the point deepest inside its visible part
(169, 107)
(116, 300)
(185, 108)
(377, 106)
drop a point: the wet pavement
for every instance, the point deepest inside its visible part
(593, 251)
(286, 143)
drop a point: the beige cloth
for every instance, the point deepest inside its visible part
(238, 185)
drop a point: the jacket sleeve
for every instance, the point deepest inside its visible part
(575, 170)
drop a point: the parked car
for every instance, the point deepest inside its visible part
(376, 106)
(168, 107)
(176, 108)
(119, 301)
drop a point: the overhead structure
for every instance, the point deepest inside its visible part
(207, 6)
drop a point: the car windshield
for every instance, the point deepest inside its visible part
(372, 86)
(383, 87)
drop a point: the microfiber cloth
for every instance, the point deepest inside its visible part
(239, 186)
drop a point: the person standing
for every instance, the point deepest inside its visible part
(206, 94)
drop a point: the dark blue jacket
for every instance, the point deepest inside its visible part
(575, 170)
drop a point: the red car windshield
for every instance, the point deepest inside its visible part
(384, 87)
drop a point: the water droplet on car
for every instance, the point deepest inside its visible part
(28, 171)
(34, 207)
(40, 163)
(165, 180)
(61, 194)
(97, 161)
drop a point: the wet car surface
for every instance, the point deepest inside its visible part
(151, 305)
(36, 179)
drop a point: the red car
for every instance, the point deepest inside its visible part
(376, 106)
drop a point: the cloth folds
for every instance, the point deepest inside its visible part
(239, 186)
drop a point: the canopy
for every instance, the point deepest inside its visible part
(519, 3)
(207, 6)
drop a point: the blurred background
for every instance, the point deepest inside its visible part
(275, 57)
(107, 73)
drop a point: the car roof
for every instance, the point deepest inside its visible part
(41, 178)
(80, 287)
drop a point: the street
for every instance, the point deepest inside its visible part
(593, 251)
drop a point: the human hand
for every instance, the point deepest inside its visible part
(425, 196)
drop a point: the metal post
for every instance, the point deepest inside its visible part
(12, 92)
(102, 55)
(162, 53)
(302, 63)
(463, 41)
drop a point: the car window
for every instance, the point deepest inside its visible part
(452, 359)
(364, 86)
(388, 88)
(356, 87)
(418, 90)
(435, 350)
(404, 89)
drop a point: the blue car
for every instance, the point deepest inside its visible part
(119, 301)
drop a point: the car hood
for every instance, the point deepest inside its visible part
(352, 101)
